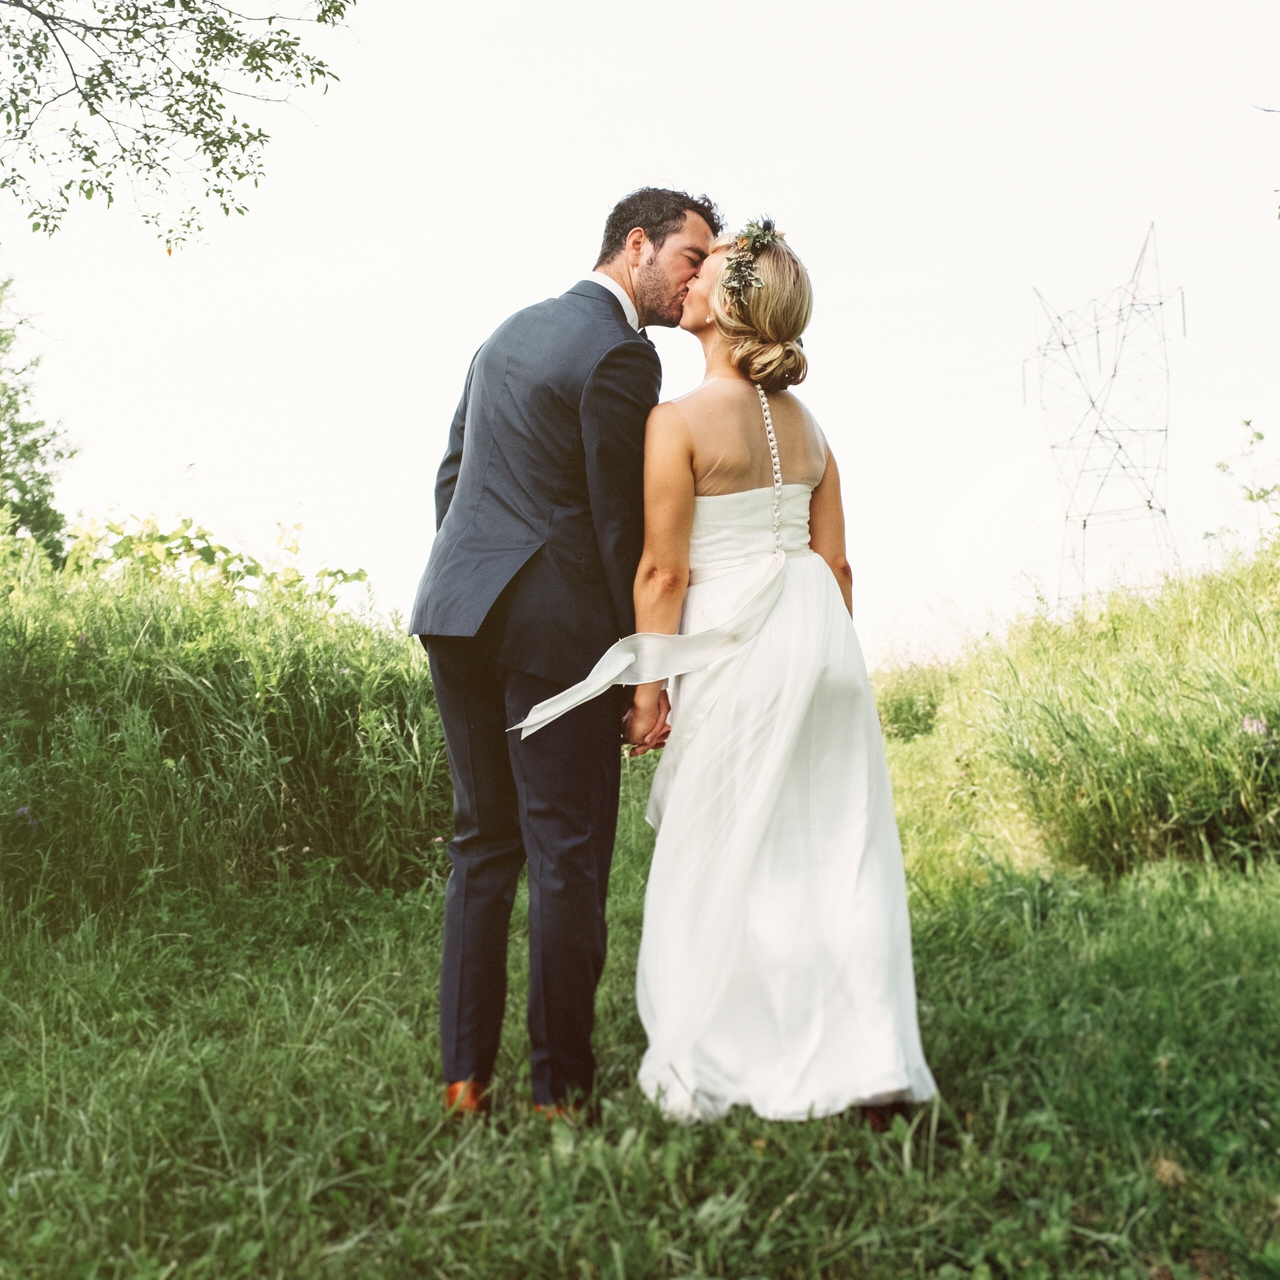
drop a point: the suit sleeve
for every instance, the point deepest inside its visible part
(447, 476)
(616, 400)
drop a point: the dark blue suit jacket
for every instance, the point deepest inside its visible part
(539, 499)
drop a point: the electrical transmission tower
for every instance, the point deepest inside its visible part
(1104, 391)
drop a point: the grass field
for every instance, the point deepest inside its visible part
(224, 1063)
(247, 1084)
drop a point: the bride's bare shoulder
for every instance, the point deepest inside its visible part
(666, 421)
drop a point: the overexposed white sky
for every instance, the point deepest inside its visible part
(931, 163)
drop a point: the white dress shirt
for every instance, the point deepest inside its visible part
(628, 307)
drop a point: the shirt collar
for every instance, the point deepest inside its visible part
(628, 307)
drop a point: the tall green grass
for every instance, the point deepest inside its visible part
(172, 713)
(908, 696)
(247, 1084)
(175, 726)
(220, 932)
(1150, 728)
(1142, 729)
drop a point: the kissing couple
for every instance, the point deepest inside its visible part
(674, 574)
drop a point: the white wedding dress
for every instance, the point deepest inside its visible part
(775, 965)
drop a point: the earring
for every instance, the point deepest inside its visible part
(709, 318)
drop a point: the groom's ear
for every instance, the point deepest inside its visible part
(636, 246)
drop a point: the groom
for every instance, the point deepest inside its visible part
(539, 529)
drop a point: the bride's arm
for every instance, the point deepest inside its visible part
(826, 529)
(663, 576)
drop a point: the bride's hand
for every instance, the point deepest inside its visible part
(645, 724)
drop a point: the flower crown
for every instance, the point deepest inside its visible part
(739, 273)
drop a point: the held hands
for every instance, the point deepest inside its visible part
(645, 723)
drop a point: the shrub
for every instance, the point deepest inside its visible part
(908, 698)
(171, 711)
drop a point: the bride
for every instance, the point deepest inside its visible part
(775, 962)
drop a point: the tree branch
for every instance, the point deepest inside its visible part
(156, 74)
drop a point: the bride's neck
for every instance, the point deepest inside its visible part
(716, 351)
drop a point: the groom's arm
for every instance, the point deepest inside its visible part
(447, 476)
(616, 400)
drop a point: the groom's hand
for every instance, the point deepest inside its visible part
(645, 724)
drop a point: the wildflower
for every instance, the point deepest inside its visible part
(98, 711)
(438, 840)
(1257, 727)
(24, 811)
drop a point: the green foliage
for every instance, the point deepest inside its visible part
(30, 451)
(908, 698)
(1255, 488)
(1148, 729)
(959, 810)
(249, 1085)
(233, 1070)
(1144, 729)
(171, 712)
(94, 93)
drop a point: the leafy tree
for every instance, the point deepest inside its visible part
(94, 93)
(30, 452)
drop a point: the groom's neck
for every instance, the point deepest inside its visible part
(621, 274)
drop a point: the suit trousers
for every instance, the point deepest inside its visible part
(550, 804)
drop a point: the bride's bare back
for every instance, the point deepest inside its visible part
(731, 448)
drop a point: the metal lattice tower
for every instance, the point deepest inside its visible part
(1104, 391)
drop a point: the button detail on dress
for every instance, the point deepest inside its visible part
(777, 467)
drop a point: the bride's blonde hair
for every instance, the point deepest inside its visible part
(763, 325)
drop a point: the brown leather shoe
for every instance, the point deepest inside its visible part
(466, 1097)
(558, 1111)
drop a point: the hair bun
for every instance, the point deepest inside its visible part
(764, 315)
(774, 365)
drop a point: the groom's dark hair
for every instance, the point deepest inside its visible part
(657, 212)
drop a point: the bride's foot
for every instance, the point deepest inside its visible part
(879, 1117)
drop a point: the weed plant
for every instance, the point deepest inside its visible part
(165, 721)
